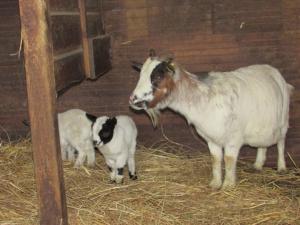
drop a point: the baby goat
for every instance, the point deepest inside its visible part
(247, 106)
(116, 139)
(75, 133)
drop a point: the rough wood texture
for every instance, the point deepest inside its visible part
(13, 105)
(66, 34)
(96, 46)
(67, 44)
(42, 111)
(69, 5)
(68, 70)
(100, 53)
(203, 35)
(88, 65)
(94, 25)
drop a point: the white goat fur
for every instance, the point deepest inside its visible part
(248, 106)
(75, 132)
(120, 150)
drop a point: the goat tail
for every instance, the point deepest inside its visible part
(291, 89)
(287, 92)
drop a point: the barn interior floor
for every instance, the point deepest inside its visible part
(172, 188)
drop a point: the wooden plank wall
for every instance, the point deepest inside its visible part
(13, 103)
(203, 35)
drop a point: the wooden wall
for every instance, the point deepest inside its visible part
(203, 35)
(13, 100)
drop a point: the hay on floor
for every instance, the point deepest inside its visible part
(172, 188)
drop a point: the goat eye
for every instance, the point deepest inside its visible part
(146, 94)
(156, 78)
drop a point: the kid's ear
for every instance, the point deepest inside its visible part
(110, 123)
(91, 117)
(113, 121)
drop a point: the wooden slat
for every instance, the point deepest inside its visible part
(68, 70)
(66, 33)
(42, 112)
(100, 53)
(247, 16)
(94, 25)
(92, 5)
(65, 5)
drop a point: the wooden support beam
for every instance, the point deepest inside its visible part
(39, 67)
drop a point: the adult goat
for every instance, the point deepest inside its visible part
(247, 106)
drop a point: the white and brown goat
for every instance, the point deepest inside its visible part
(247, 106)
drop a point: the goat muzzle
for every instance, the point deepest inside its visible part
(138, 105)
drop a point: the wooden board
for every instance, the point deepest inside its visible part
(65, 5)
(68, 70)
(93, 5)
(100, 50)
(66, 34)
(94, 25)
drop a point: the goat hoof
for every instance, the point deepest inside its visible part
(77, 166)
(252, 169)
(91, 164)
(228, 185)
(215, 185)
(133, 177)
(282, 171)
(119, 180)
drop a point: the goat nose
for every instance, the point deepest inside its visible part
(94, 142)
(132, 98)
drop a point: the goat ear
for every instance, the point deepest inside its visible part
(113, 121)
(152, 53)
(110, 123)
(136, 66)
(169, 60)
(91, 117)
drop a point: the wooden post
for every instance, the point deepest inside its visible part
(42, 111)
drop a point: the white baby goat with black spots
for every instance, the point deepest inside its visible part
(75, 133)
(116, 139)
(247, 106)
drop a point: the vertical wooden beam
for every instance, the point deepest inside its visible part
(42, 111)
(88, 67)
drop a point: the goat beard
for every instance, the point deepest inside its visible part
(154, 116)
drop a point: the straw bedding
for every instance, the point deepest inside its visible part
(171, 189)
